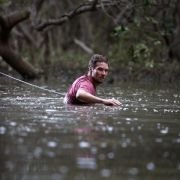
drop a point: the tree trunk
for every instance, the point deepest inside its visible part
(7, 53)
(175, 45)
(16, 62)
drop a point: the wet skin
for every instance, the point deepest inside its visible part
(99, 73)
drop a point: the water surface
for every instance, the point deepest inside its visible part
(41, 138)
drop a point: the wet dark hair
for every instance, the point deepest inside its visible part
(97, 58)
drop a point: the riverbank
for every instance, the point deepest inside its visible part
(164, 74)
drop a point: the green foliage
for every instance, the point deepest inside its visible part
(69, 60)
(2, 2)
(135, 48)
(120, 30)
(138, 42)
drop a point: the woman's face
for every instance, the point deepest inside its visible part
(99, 72)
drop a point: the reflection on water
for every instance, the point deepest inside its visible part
(40, 138)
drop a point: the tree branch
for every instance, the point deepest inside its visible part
(4, 31)
(28, 36)
(86, 7)
(2, 22)
(83, 46)
(35, 8)
(16, 17)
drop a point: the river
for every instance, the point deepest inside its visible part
(42, 139)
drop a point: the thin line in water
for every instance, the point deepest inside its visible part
(33, 85)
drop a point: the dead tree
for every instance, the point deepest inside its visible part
(7, 23)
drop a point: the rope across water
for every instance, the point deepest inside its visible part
(33, 85)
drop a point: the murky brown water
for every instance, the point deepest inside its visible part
(41, 139)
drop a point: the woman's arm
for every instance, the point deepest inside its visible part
(86, 97)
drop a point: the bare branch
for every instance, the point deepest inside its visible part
(16, 17)
(119, 17)
(28, 36)
(95, 2)
(35, 8)
(4, 30)
(86, 7)
(2, 22)
(83, 46)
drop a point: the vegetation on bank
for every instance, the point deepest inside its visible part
(140, 38)
(73, 63)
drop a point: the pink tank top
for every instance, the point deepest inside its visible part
(82, 82)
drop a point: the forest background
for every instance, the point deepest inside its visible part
(141, 38)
